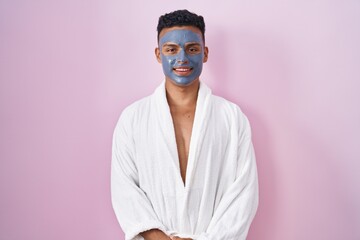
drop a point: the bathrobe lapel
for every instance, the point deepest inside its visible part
(166, 127)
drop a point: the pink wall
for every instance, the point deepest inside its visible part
(68, 68)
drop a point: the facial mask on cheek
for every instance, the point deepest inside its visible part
(182, 59)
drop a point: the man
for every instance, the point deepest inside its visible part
(183, 164)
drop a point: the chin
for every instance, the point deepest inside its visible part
(183, 84)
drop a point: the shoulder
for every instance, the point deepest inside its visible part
(233, 115)
(132, 113)
(135, 108)
(227, 107)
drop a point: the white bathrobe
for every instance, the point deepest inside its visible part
(220, 196)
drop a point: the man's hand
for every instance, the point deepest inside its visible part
(178, 238)
(154, 234)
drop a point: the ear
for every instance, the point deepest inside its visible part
(206, 54)
(158, 55)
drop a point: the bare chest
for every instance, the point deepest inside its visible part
(183, 120)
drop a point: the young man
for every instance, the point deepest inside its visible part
(183, 164)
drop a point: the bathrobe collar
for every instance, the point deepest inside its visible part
(202, 114)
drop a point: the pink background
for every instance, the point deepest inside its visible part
(68, 68)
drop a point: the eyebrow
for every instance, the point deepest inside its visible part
(192, 44)
(170, 45)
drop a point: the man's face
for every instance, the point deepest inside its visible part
(182, 53)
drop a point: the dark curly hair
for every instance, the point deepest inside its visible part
(181, 18)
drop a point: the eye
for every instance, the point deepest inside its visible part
(169, 50)
(194, 50)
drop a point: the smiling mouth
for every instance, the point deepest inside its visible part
(182, 71)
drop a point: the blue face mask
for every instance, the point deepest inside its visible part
(184, 65)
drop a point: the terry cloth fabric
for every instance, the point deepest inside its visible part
(220, 196)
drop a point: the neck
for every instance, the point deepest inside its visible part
(181, 96)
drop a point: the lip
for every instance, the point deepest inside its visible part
(182, 71)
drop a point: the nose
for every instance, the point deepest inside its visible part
(182, 58)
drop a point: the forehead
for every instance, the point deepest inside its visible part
(180, 35)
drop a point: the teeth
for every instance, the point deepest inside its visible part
(182, 69)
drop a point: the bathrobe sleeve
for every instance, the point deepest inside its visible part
(132, 208)
(237, 208)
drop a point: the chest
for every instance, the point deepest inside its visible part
(183, 120)
(163, 144)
